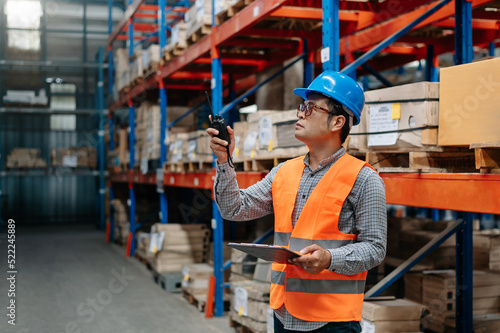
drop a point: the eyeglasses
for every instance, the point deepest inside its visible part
(308, 109)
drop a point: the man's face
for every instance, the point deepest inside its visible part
(314, 127)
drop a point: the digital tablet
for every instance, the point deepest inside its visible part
(267, 252)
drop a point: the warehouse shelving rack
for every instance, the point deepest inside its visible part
(99, 66)
(363, 24)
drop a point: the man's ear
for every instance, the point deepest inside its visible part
(337, 123)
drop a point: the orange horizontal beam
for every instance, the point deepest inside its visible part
(229, 61)
(125, 37)
(201, 180)
(462, 192)
(397, 49)
(143, 27)
(298, 12)
(196, 75)
(476, 24)
(317, 14)
(149, 7)
(187, 86)
(145, 15)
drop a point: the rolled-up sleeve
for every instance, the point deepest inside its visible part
(370, 215)
(242, 205)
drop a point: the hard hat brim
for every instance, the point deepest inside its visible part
(303, 92)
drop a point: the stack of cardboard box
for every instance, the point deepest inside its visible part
(121, 220)
(397, 315)
(439, 295)
(25, 158)
(182, 244)
(75, 157)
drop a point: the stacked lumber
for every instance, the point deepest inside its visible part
(183, 244)
(397, 315)
(250, 290)
(195, 282)
(25, 158)
(439, 295)
(74, 157)
(136, 70)
(408, 235)
(242, 267)
(486, 250)
(402, 107)
(121, 221)
(250, 305)
(151, 60)
(123, 151)
(122, 70)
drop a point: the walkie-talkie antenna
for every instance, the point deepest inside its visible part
(210, 105)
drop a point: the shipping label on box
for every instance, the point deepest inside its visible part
(381, 120)
(241, 301)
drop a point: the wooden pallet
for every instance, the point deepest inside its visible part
(238, 6)
(198, 34)
(430, 159)
(487, 156)
(137, 81)
(151, 70)
(142, 258)
(199, 301)
(239, 327)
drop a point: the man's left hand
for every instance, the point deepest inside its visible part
(318, 260)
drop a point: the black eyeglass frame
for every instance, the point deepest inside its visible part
(308, 109)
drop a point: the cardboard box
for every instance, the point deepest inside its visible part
(393, 310)
(275, 135)
(390, 326)
(469, 103)
(415, 105)
(240, 134)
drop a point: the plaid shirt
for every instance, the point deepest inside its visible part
(363, 213)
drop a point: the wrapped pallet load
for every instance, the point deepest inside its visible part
(405, 111)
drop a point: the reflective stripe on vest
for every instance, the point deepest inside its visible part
(278, 277)
(326, 296)
(297, 244)
(282, 238)
(325, 286)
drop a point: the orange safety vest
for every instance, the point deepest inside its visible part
(326, 296)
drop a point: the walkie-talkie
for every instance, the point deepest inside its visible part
(220, 125)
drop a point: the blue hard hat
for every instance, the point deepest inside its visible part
(340, 87)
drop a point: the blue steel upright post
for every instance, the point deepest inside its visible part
(111, 79)
(308, 63)
(217, 221)
(100, 107)
(131, 138)
(331, 36)
(431, 74)
(163, 110)
(464, 53)
(491, 49)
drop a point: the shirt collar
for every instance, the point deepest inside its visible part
(327, 161)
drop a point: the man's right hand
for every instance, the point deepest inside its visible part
(218, 146)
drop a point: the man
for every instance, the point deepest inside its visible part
(328, 205)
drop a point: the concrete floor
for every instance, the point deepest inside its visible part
(70, 281)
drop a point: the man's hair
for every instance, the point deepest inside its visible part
(336, 109)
